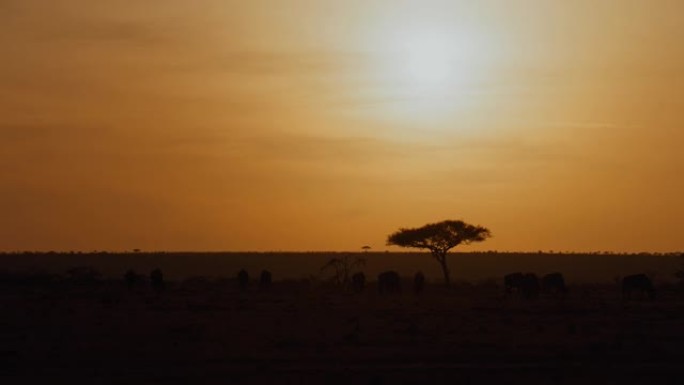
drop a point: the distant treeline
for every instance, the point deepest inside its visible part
(473, 267)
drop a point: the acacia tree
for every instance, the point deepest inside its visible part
(439, 238)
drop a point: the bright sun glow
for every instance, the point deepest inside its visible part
(429, 60)
(424, 73)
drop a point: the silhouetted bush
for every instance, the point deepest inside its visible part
(343, 269)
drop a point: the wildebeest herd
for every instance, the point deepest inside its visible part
(529, 286)
(523, 285)
(302, 329)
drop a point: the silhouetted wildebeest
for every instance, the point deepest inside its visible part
(132, 278)
(265, 279)
(157, 279)
(418, 282)
(527, 285)
(389, 282)
(84, 275)
(530, 286)
(358, 282)
(513, 282)
(554, 283)
(637, 282)
(243, 279)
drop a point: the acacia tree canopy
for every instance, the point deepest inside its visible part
(439, 238)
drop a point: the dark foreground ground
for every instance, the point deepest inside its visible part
(294, 333)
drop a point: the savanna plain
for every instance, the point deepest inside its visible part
(87, 325)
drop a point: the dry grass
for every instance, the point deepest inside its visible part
(208, 331)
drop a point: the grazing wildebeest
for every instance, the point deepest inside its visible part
(157, 279)
(358, 282)
(132, 278)
(513, 282)
(266, 279)
(84, 275)
(243, 279)
(530, 286)
(418, 282)
(527, 285)
(637, 282)
(554, 283)
(389, 282)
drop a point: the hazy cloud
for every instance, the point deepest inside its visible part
(306, 63)
(107, 31)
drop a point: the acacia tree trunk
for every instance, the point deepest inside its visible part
(441, 258)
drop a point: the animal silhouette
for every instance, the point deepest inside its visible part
(639, 283)
(389, 282)
(157, 279)
(554, 283)
(527, 285)
(513, 282)
(418, 282)
(358, 282)
(265, 279)
(243, 279)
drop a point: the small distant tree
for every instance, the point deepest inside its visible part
(439, 238)
(343, 268)
(365, 248)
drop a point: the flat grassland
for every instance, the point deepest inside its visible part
(472, 267)
(302, 331)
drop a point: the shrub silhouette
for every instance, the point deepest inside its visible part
(439, 238)
(343, 268)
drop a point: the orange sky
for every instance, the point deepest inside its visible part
(326, 125)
